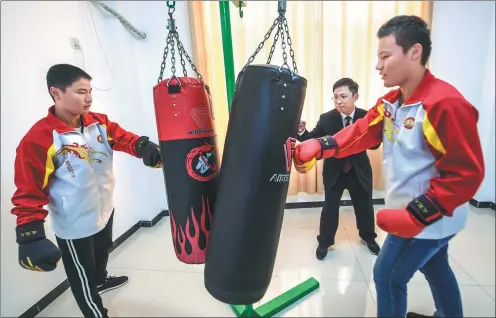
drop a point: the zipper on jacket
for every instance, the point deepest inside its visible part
(100, 190)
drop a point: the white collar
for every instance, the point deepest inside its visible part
(343, 116)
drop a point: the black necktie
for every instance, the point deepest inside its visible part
(348, 121)
(347, 164)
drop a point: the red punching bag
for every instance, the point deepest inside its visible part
(187, 140)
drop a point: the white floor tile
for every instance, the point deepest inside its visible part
(183, 295)
(296, 257)
(152, 249)
(161, 286)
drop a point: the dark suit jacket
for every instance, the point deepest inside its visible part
(329, 124)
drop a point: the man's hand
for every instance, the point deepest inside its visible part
(302, 126)
(149, 151)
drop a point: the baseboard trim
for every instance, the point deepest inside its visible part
(62, 287)
(319, 204)
(483, 204)
(155, 219)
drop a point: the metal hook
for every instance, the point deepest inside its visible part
(287, 67)
(241, 9)
(172, 8)
(176, 78)
(281, 5)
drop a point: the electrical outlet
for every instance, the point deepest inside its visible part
(75, 43)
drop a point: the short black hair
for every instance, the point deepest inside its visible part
(408, 30)
(62, 76)
(352, 85)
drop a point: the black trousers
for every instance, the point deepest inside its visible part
(85, 263)
(362, 203)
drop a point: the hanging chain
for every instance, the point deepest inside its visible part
(290, 43)
(182, 52)
(193, 66)
(273, 47)
(173, 57)
(266, 37)
(164, 58)
(171, 41)
(282, 31)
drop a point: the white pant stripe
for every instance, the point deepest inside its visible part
(84, 280)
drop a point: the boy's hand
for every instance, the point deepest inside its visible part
(149, 151)
(36, 252)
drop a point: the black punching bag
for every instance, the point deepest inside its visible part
(253, 183)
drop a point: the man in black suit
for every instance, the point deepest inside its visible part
(353, 173)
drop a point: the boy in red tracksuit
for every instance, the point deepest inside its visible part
(433, 166)
(65, 162)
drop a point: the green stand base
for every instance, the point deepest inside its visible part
(279, 303)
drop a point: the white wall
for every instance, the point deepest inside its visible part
(463, 55)
(34, 36)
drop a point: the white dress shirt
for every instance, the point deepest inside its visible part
(343, 117)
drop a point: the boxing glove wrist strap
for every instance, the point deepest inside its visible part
(424, 209)
(30, 232)
(329, 147)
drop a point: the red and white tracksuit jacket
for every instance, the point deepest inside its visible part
(70, 172)
(430, 146)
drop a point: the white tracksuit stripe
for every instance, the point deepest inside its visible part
(84, 280)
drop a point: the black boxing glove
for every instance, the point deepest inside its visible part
(149, 151)
(36, 252)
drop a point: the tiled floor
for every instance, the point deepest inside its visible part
(161, 286)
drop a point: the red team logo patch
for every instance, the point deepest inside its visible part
(409, 122)
(201, 163)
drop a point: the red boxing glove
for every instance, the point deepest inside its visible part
(308, 152)
(410, 221)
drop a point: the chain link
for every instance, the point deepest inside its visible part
(290, 43)
(181, 55)
(283, 46)
(273, 47)
(171, 41)
(164, 58)
(282, 31)
(173, 57)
